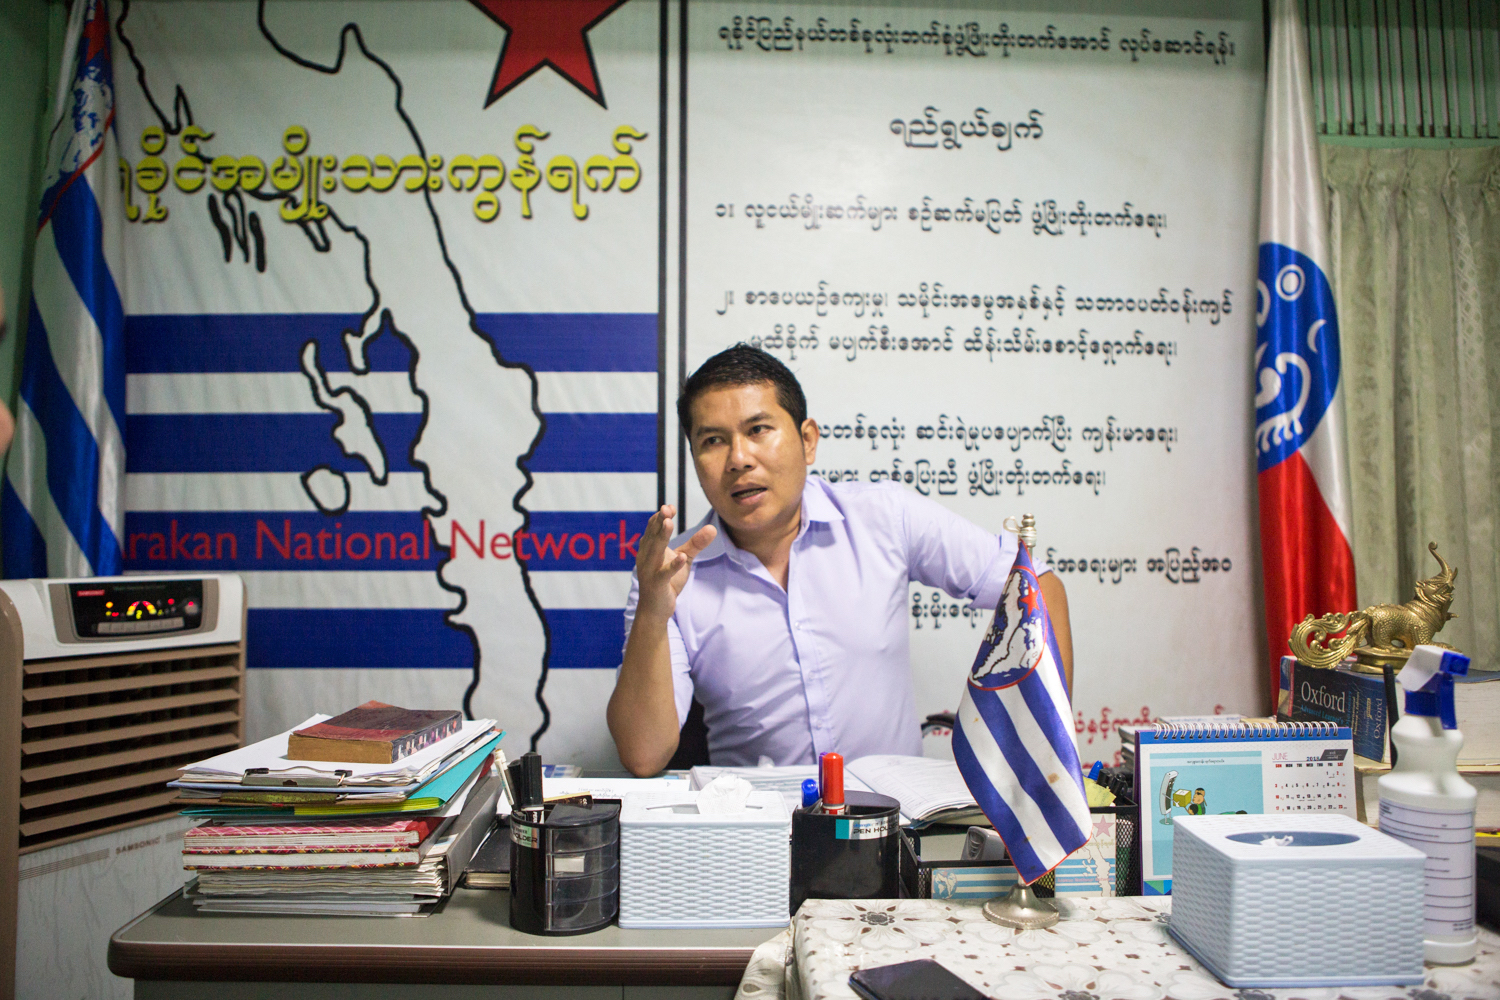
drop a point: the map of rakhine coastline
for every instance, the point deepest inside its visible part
(479, 419)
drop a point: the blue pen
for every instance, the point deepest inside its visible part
(1096, 770)
(809, 793)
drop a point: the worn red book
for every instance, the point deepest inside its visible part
(373, 733)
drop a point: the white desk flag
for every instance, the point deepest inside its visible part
(1013, 734)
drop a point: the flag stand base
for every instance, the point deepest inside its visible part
(1021, 908)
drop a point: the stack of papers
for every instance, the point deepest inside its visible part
(368, 892)
(265, 765)
(290, 836)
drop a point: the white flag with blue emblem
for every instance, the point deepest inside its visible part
(1013, 736)
(64, 480)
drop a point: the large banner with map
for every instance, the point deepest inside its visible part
(394, 285)
(410, 286)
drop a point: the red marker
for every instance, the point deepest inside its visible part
(831, 782)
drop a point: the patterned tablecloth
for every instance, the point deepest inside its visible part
(1101, 949)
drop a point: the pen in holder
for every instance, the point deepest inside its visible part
(853, 855)
(564, 868)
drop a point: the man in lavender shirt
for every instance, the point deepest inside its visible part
(785, 609)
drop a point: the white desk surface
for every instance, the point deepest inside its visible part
(1101, 949)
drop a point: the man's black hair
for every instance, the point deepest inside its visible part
(742, 365)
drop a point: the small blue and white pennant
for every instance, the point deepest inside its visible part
(1013, 735)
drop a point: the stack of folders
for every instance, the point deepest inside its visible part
(295, 836)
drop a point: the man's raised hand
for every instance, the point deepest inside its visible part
(661, 569)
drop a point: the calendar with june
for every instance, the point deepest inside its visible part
(1210, 768)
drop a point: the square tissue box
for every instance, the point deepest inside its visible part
(1277, 900)
(680, 868)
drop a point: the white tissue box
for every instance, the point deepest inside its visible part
(1340, 905)
(679, 868)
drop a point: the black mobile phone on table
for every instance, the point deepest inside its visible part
(920, 980)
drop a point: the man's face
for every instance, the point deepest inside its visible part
(751, 458)
(1198, 797)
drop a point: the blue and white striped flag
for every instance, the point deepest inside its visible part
(1013, 737)
(62, 502)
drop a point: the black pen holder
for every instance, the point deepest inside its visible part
(855, 855)
(565, 868)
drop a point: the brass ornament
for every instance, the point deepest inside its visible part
(1382, 635)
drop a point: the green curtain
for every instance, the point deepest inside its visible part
(1415, 248)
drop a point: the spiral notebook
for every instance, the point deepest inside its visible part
(1206, 768)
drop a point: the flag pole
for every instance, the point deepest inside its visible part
(1022, 908)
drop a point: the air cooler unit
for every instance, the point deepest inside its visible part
(107, 687)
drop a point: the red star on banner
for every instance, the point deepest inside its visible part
(96, 30)
(1030, 597)
(546, 33)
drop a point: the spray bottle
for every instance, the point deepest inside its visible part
(1426, 803)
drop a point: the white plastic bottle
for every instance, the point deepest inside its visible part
(1426, 803)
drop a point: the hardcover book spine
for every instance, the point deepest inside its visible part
(411, 743)
(1284, 696)
(1345, 698)
(1370, 717)
(366, 746)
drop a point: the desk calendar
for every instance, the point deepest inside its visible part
(1206, 769)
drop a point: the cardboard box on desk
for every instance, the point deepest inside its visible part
(680, 868)
(1279, 900)
(1109, 865)
(1484, 777)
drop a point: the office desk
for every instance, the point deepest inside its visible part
(1101, 948)
(465, 950)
